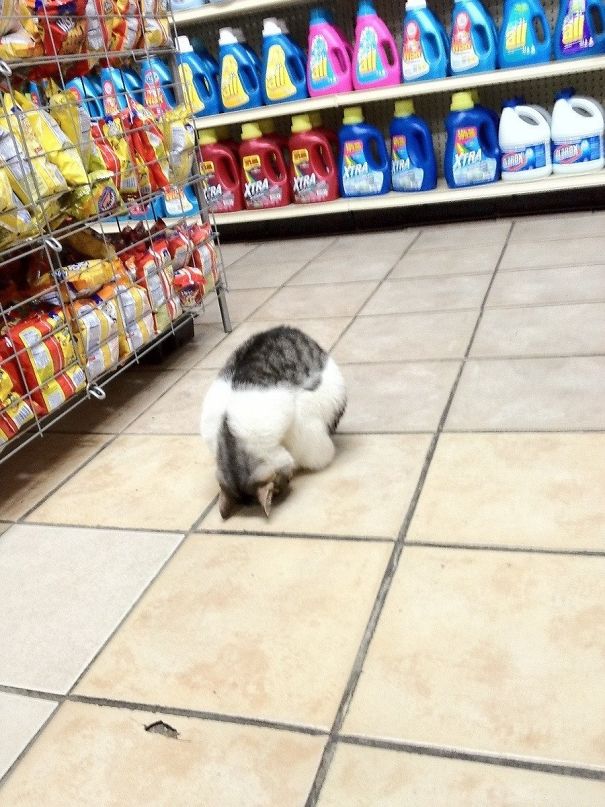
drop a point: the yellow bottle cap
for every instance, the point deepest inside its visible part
(461, 100)
(250, 131)
(207, 136)
(352, 114)
(404, 108)
(267, 126)
(301, 123)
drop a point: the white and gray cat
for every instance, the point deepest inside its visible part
(271, 411)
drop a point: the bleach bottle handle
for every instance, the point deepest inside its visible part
(589, 105)
(531, 113)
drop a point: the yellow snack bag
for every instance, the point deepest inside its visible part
(100, 196)
(74, 120)
(114, 134)
(96, 337)
(6, 193)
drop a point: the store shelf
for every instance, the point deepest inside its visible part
(232, 8)
(569, 67)
(441, 195)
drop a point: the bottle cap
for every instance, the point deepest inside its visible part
(183, 45)
(207, 136)
(412, 5)
(239, 34)
(250, 131)
(566, 93)
(301, 123)
(404, 108)
(271, 27)
(318, 15)
(283, 26)
(226, 37)
(365, 7)
(461, 100)
(352, 114)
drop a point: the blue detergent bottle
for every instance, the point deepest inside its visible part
(158, 95)
(89, 94)
(580, 29)
(425, 44)
(283, 66)
(473, 38)
(413, 163)
(133, 84)
(472, 155)
(115, 94)
(239, 72)
(363, 162)
(198, 79)
(524, 35)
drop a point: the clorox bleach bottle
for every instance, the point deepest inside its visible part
(284, 65)
(473, 40)
(361, 172)
(524, 140)
(329, 59)
(425, 50)
(580, 29)
(375, 57)
(240, 81)
(577, 135)
(413, 164)
(472, 156)
(524, 35)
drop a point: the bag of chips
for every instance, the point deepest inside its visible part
(63, 25)
(155, 23)
(75, 123)
(96, 332)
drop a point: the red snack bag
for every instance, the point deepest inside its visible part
(190, 284)
(64, 33)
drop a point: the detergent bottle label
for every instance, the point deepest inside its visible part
(471, 166)
(322, 74)
(582, 150)
(524, 159)
(191, 96)
(278, 84)
(516, 40)
(218, 198)
(175, 201)
(232, 91)
(306, 185)
(463, 55)
(404, 175)
(369, 64)
(358, 178)
(258, 191)
(153, 95)
(413, 63)
(110, 100)
(576, 36)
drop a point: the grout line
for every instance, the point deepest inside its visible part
(307, 536)
(31, 742)
(525, 550)
(494, 357)
(391, 568)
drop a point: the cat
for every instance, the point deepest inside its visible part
(271, 411)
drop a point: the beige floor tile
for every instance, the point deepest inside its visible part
(177, 412)
(233, 252)
(30, 474)
(530, 394)
(64, 591)
(477, 260)
(450, 236)
(241, 303)
(365, 492)
(372, 777)
(296, 249)
(207, 336)
(325, 331)
(240, 625)
(392, 242)
(107, 758)
(396, 397)
(4, 525)
(428, 294)
(242, 275)
(547, 253)
(538, 490)
(127, 396)
(489, 651)
(21, 718)
(334, 300)
(407, 337)
(142, 481)
(556, 330)
(553, 227)
(577, 284)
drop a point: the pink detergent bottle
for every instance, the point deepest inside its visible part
(329, 61)
(376, 60)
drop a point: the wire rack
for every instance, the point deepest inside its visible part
(107, 247)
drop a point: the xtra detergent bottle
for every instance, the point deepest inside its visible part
(315, 118)
(577, 134)
(360, 172)
(425, 52)
(524, 35)
(329, 58)
(413, 164)
(283, 66)
(473, 47)
(220, 169)
(580, 29)
(88, 94)
(472, 156)
(240, 81)
(199, 80)
(266, 182)
(376, 60)
(313, 167)
(157, 81)
(223, 135)
(524, 140)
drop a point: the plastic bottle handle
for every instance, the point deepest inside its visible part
(378, 141)
(586, 105)
(433, 42)
(228, 161)
(528, 112)
(483, 38)
(601, 12)
(389, 56)
(319, 163)
(276, 159)
(545, 29)
(342, 59)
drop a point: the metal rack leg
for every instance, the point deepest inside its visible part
(222, 302)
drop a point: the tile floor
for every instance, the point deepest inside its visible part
(422, 624)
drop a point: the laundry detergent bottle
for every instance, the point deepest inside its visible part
(198, 79)
(524, 35)
(240, 80)
(577, 135)
(580, 29)
(329, 58)
(133, 84)
(413, 164)
(313, 167)
(220, 170)
(115, 94)
(157, 81)
(363, 162)
(88, 94)
(264, 172)
(473, 47)
(283, 65)
(424, 53)
(472, 156)
(376, 60)
(524, 140)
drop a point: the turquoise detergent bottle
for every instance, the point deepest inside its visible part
(198, 79)
(413, 164)
(524, 35)
(425, 49)
(283, 65)
(473, 39)
(89, 94)
(240, 79)
(472, 155)
(133, 84)
(157, 79)
(361, 173)
(580, 29)
(115, 93)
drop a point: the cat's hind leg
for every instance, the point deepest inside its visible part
(310, 444)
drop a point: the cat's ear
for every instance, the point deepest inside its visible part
(264, 494)
(227, 505)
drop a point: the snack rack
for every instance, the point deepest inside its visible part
(107, 248)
